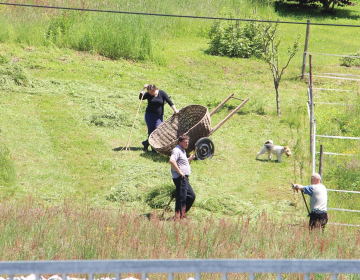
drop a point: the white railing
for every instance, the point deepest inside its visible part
(196, 266)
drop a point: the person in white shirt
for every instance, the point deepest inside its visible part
(318, 201)
(180, 170)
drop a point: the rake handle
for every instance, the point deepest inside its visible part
(302, 192)
(128, 142)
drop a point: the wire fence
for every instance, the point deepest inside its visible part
(341, 77)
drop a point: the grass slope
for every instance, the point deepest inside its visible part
(65, 115)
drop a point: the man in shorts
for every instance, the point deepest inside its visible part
(318, 201)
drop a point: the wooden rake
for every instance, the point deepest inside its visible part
(127, 146)
(303, 196)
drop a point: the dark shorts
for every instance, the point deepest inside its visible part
(318, 220)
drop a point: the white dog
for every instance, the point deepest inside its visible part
(270, 148)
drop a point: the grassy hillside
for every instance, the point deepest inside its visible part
(66, 113)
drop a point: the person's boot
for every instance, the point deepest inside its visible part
(145, 144)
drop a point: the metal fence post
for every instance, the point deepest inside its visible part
(311, 101)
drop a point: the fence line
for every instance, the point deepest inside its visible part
(338, 137)
(326, 103)
(334, 89)
(348, 225)
(197, 266)
(340, 55)
(331, 190)
(345, 210)
(340, 74)
(335, 154)
(339, 78)
(341, 209)
(337, 66)
(313, 121)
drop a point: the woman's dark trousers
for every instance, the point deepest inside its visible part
(152, 122)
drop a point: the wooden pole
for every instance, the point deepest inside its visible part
(221, 104)
(303, 196)
(127, 147)
(305, 48)
(229, 116)
(321, 160)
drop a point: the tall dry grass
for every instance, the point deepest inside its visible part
(31, 231)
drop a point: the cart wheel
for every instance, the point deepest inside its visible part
(205, 148)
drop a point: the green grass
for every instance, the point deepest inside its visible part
(66, 114)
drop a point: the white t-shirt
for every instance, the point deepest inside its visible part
(179, 155)
(318, 200)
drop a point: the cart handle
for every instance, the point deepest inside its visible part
(230, 115)
(221, 104)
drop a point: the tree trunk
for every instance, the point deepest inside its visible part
(277, 98)
(326, 5)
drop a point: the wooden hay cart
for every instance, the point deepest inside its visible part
(193, 121)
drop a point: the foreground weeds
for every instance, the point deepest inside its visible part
(31, 231)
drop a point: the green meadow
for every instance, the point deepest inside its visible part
(69, 86)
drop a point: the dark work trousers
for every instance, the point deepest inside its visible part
(185, 195)
(153, 121)
(318, 220)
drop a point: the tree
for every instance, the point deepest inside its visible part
(255, 39)
(271, 45)
(328, 5)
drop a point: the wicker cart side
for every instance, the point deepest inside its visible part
(193, 120)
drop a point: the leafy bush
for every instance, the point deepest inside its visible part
(351, 60)
(230, 38)
(328, 5)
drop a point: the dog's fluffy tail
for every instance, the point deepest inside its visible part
(269, 142)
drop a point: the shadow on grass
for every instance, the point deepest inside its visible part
(315, 12)
(124, 149)
(156, 157)
(268, 160)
